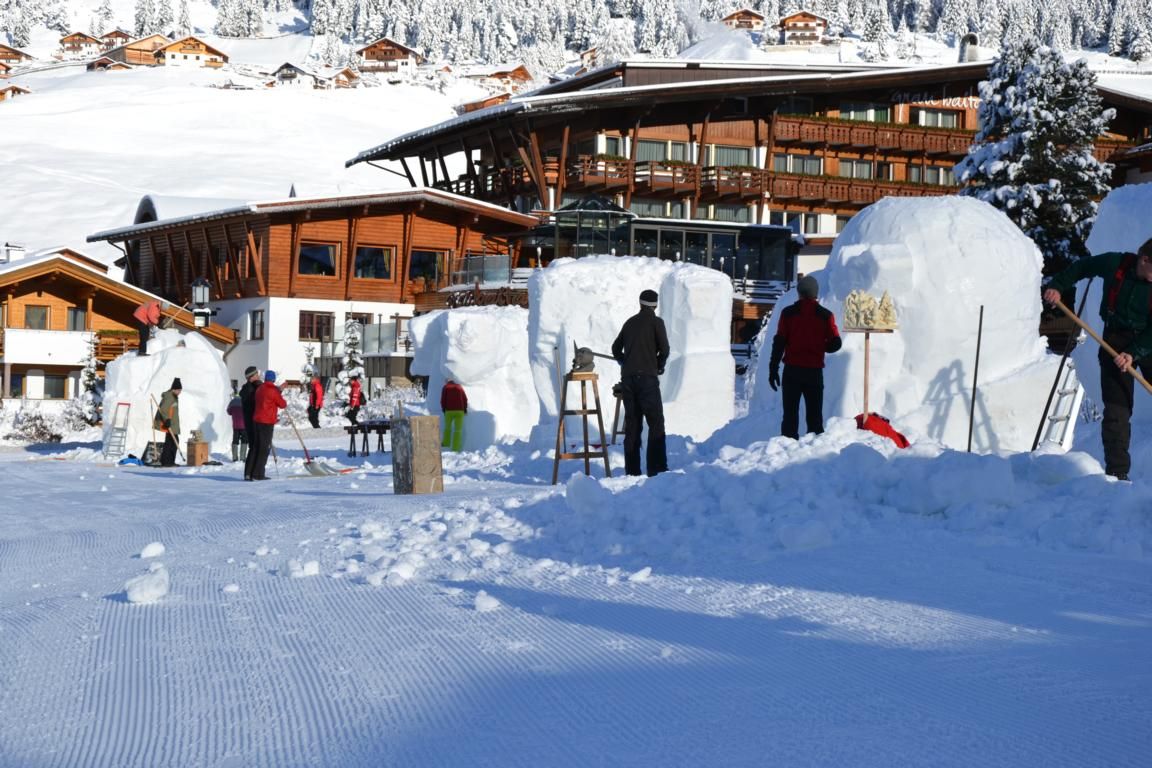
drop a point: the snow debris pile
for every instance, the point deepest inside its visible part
(140, 381)
(940, 259)
(155, 549)
(148, 587)
(485, 350)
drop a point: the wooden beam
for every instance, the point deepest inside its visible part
(406, 253)
(408, 171)
(219, 278)
(175, 267)
(470, 167)
(562, 176)
(88, 310)
(423, 170)
(241, 292)
(443, 165)
(254, 260)
(538, 166)
(293, 256)
(353, 225)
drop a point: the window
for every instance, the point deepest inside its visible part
(36, 317)
(55, 386)
(364, 318)
(788, 163)
(855, 169)
(256, 325)
(873, 113)
(651, 150)
(612, 145)
(796, 106)
(648, 207)
(841, 222)
(731, 213)
(732, 155)
(17, 383)
(315, 326)
(678, 150)
(425, 265)
(931, 174)
(936, 118)
(808, 223)
(317, 259)
(373, 262)
(77, 319)
(676, 210)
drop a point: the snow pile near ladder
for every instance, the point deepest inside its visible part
(940, 259)
(141, 380)
(485, 349)
(586, 301)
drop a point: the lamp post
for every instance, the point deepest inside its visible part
(201, 294)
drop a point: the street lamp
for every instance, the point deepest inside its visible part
(201, 312)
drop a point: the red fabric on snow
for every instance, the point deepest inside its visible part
(881, 426)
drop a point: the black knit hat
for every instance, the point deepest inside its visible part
(648, 298)
(251, 371)
(176, 383)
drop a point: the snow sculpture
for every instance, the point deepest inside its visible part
(587, 300)
(141, 380)
(945, 257)
(863, 312)
(485, 350)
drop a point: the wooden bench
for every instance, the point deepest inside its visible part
(366, 428)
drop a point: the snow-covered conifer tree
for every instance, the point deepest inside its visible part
(105, 14)
(145, 17)
(21, 27)
(164, 17)
(321, 16)
(353, 361)
(1032, 158)
(90, 396)
(617, 42)
(184, 23)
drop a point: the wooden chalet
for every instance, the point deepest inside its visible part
(511, 78)
(106, 64)
(141, 51)
(745, 19)
(114, 39)
(5, 68)
(803, 28)
(590, 59)
(387, 55)
(190, 52)
(52, 304)
(79, 45)
(490, 101)
(12, 91)
(294, 76)
(724, 142)
(11, 55)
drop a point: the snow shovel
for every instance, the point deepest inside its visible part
(314, 467)
(1105, 345)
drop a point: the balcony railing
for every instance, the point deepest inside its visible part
(660, 176)
(888, 137)
(832, 191)
(592, 172)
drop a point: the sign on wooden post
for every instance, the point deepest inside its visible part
(416, 466)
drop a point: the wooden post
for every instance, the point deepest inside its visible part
(416, 466)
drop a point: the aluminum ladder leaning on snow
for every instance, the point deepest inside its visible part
(1065, 407)
(117, 436)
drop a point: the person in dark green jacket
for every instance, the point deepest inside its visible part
(167, 420)
(1126, 309)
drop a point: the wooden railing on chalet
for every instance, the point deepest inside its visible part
(677, 178)
(111, 346)
(886, 137)
(604, 174)
(845, 192)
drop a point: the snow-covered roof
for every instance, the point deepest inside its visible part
(291, 204)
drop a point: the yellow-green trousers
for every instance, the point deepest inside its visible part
(453, 430)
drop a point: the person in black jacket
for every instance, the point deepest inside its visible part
(806, 332)
(248, 405)
(641, 349)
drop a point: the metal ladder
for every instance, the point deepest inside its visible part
(118, 436)
(1065, 407)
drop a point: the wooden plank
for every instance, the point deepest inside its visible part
(408, 171)
(538, 167)
(293, 256)
(353, 222)
(241, 291)
(215, 267)
(416, 462)
(254, 259)
(562, 176)
(179, 278)
(405, 256)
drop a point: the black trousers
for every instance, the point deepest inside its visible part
(239, 436)
(807, 383)
(261, 447)
(168, 452)
(1117, 392)
(640, 395)
(314, 417)
(351, 414)
(250, 459)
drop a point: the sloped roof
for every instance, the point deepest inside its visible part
(186, 38)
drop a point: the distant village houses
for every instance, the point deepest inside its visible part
(114, 39)
(11, 55)
(79, 45)
(509, 78)
(803, 28)
(386, 55)
(106, 64)
(139, 52)
(295, 76)
(5, 68)
(190, 52)
(12, 91)
(745, 19)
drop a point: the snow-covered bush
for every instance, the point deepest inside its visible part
(32, 426)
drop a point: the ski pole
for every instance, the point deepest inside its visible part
(1103, 344)
(975, 374)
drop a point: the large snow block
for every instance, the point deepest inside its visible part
(584, 302)
(141, 380)
(940, 259)
(485, 350)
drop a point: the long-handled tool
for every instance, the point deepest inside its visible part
(1105, 345)
(175, 437)
(314, 467)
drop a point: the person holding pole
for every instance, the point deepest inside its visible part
(167, 419)
(805, 333)
(1126, 309)
(269, 403)
(641, 349)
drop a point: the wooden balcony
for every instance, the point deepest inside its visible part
(886, 137)
(588, 172)
(676, 179)
(733, 182)
(825, 191)
(109, 346)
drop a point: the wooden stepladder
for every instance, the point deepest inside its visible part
(118, 434)
(584, 412)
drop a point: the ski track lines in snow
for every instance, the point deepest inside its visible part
(856, 654)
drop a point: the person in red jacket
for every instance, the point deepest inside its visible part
(315, 400)
(355, 399)
(805, 333)
(269, 402)
(454, 403)
(147, 315)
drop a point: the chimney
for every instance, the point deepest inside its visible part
(11, 252)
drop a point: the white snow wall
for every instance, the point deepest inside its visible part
(485, 350)
(940, 259)
(203, 400)
(586, 301)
